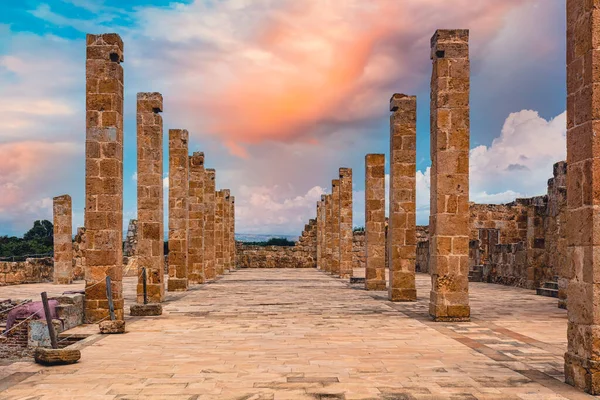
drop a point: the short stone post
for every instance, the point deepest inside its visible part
(104, 175)
(178, 210)
(582, 360)
(150, 246)
(345, 223)
(209, 225)
(375, 222)
(449, 216)
(402, 240)
(63, 240)
(219, 232)
(196, 270)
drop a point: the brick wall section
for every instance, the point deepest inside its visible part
(104, 174)
(302, 255)
(32, 270)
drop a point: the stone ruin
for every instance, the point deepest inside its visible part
(528, 242)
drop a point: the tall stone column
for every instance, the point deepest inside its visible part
(449, 216)
(375, 222)
(104, 175)
(335, 223)
(209, 225)
(327, 235)
(582, 360)
(322, 233)
(319, 228)
(150, 247)
(226, 229)
(219, 232)
(178, 209)
(63, 240)
(196, 267)
(232, 237)
(345, 216)
(402, 239)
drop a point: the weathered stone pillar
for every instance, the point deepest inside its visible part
(150, 248)
(327, 234)
(104, 175)
(232, 237)
(321, 233)
(196, 267)
(226, 229)
(449, 216)
(582, 360)
(375, 222)
(319, 228)
(209, 225)
(402, 239)
(335, 223)
(345, 223)
(178, 209)
(63, 240)
(219, 232)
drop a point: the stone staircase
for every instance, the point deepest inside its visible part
(476, 273)
(550, 289)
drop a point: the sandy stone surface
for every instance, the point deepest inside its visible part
(302, 334)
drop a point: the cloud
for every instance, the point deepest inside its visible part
(296, 71)
(274, 209)
(528, 141)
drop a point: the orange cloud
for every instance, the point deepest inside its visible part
(297, 67)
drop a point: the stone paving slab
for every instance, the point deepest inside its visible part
(301, 334)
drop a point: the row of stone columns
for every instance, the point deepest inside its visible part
(334, 227)
(201, 220)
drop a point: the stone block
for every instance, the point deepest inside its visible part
(112, 327)
(51, 357)
(144, 310)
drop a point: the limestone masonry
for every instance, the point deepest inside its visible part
(63, 246)
(375, 222)
(196, 253)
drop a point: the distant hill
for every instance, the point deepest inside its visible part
(253, 237)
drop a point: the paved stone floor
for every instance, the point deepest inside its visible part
(301, 334)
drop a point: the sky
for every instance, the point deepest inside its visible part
(278, 94)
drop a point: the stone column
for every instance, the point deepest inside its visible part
(449, 216)
(345, 223)
(196, 270)
(327, 234)
(219, 232)
(335, 223)
(321, 234)
(375, 222)
(63, 240)
(582, 360)
(226, 229)
(178, 209)
(150, 247)
(232, 236)
(402, 225)
(209, 225)
(104, 175)
(319, 209)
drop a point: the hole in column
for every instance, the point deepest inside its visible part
(156, 110)
(114, 57)
(440, 53)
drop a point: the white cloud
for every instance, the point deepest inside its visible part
(516, 164)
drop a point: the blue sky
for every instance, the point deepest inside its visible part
(278, 94)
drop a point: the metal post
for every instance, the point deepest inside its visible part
(49, 321)
(144, 285)
(111, 307)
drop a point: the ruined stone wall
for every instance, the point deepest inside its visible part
(510, 219)
(302, 255)
(130, 246)
(32, 270)
(358, 249)
(79, 254)
(508, 265)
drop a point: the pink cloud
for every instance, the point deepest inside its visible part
(298, 66)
